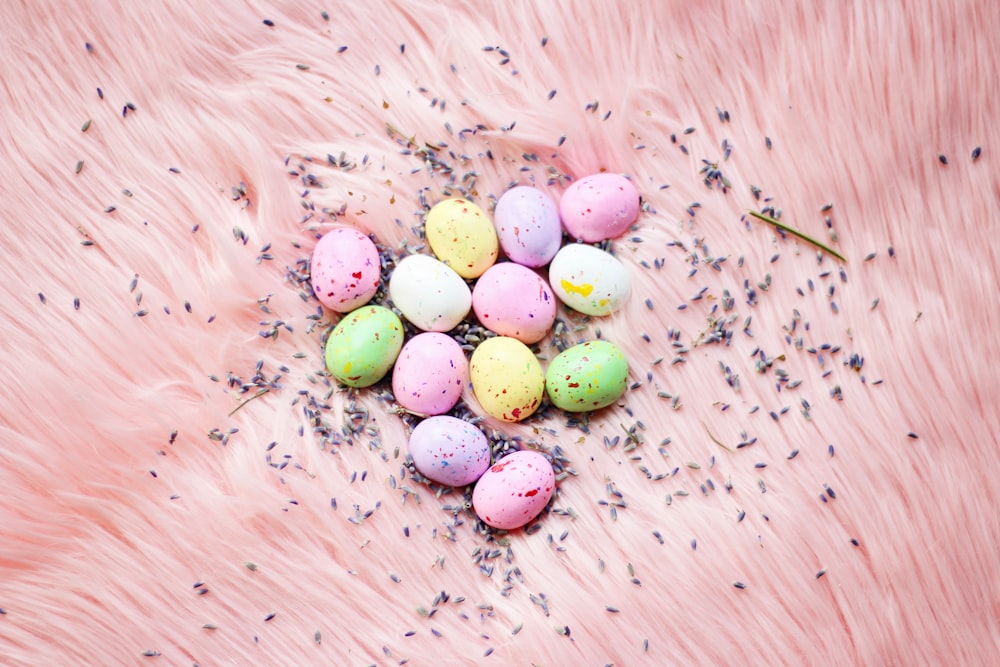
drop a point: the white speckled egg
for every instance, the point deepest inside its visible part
(589, 280)
(429, 374)
(514, 490)
(449, 451)
(528, 226)
(462, 236)
(345, 269)
(599, 207)
(514, 301)
(429, 294)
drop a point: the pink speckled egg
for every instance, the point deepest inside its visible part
(449, 451)
(599, 207)
(429, 374)
(345, 269)
(514, 490)
(514, 301)
(528, 227)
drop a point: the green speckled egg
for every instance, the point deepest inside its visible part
(364, 345)
(586, 377)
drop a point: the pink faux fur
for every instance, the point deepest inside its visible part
(108, 523)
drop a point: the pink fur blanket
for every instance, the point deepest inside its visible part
(804, 470)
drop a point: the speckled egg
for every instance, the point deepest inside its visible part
(514, 301)
(528, 226)
(429, 374)
(429, 294)
(586, 377)
(599, 207)
(364, 345)
(589, 280)
(507, 379)
(345, 269)
(514, 490)
(449, 451)
(462, 236)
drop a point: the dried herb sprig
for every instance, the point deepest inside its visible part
(791, 230)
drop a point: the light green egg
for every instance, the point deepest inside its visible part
(364, 345)
(586, 377)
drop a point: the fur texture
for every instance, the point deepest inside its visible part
(107, 522)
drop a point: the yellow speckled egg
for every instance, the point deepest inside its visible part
(506, 378)
(462, 236)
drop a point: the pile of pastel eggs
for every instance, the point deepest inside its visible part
(512, 299)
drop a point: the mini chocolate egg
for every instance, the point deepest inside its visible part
(528, 226)
(429, 374)
(462, 236)
(599, 207)
(345, 269)
(514, 490)
(589, 280)
(429, 294)
(364, 345)
(586, 377)
(514, 301)
(449, 451)
(507, 379)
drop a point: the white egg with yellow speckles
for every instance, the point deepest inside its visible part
(589, 280)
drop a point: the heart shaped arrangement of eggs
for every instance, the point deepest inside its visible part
(515, 300)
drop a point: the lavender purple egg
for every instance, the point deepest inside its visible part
(528, 226)
(449, 451)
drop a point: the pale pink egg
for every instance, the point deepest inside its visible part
(514, 301)
(514, 490)
(599, 207)
(429, 374)
(345, 269)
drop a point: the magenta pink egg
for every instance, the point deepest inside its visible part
(514, 490)
(599, 207)
(345, 269)
(514, 301)
(528, 227)
(449, 451)
(429, 374)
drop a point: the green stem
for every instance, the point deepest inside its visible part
(777, 223)
(714, 439)
(257, 395)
